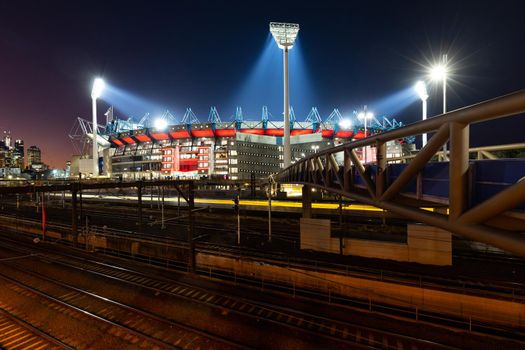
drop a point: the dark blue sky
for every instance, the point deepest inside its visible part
(195, 53)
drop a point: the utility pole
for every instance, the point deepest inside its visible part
(162, 226)
(269, 192)
(237, 211)
(80, 197)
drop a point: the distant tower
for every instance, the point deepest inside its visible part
(33, 155)
(18, 154)
(7, 139)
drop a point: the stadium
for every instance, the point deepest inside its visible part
(238, 149)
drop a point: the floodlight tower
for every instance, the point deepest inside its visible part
(96, 92)
(284, 35)
(421, 89)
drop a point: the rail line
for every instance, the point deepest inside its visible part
(461, 284)
(347, 333)
(15, 333)
(120, 320)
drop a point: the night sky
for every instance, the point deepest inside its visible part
(178, 54)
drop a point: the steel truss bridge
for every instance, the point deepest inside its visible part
(485, 198)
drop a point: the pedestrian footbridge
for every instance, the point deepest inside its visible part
(483, 199)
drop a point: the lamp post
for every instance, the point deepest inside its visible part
(421, 90)
(96, 92)
(365, 115)
(284, 35)
(438, 73)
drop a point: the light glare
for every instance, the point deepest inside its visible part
(160, 124)
(345, 123)
(98, 88)
(438, 72)
(368, 115)
(421, 89)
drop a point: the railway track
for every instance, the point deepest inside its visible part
(461, 284)
(15, 333)
(127, 323)
(343, 333)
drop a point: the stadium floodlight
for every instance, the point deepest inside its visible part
(345, 124)
(284, 35)
(365, 115)
(160, 124)
(421, 89)
(98, 88)
(96, 92)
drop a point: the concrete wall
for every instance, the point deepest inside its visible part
(425, 244)
(464, 306)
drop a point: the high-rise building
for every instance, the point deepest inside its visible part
(18, 154)
(7, 139)
(33, 155)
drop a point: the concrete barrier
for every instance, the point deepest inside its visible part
(463, 306)
(425, 244)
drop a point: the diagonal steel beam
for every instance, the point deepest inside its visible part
(335, 170)
(417, 163)
(182, 193)
(361, 169)
(319, 169)
(501, 202)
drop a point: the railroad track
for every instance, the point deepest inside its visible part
(15, 333)
(344, 333)
(463, 284)
(126, 323)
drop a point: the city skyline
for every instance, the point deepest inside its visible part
(344, 60)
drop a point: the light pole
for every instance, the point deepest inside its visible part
(96, 91)
(365, 115)
(438, 73)
(284, 35)
(421, 90)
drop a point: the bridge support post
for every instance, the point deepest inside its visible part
(458, 169)
(381, 168)
(307, 201)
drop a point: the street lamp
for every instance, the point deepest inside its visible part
(421, 89)
(439, 73)
(96, 92)
(365, 115)
(284, 35)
